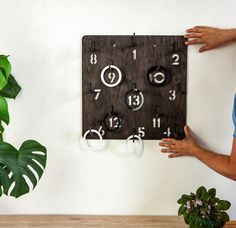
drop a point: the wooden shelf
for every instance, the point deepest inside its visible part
(84, 221)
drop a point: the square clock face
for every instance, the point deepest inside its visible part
(134, 85)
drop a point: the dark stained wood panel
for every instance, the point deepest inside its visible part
(144, 62)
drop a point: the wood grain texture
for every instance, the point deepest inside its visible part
(84, 221)
(172, 111)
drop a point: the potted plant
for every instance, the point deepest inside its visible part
(203, 209)
(30, 159)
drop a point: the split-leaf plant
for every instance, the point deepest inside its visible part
(18, 167)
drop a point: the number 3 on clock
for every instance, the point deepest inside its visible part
(172, 96)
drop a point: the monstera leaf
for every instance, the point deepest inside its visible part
(4, 115)
(5, 181)
(17, 167)
(5, 70)
(15, 164)
(12, 88)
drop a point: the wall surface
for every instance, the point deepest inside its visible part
(43, 39)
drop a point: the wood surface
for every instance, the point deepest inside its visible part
(151, 51)
(86, 221)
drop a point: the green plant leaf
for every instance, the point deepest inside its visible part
(192, 223)
(202, 222)
(192, 196)
(186, 218)
(185, 198)
(2, 78)
(12, 88)
(224, 216)
(217, 221)
(5, 64)
(31, 154)
(208, 222)
(8, 156)
(215, 200)
(211, 193)
(5, 70)
(223, 205)
(180, 201)
(1, 128)
(181, 210)
(199, 223)
(4, 115)
(5, 181)
(201, 192)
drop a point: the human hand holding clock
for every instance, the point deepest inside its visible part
(221, 163)
(210, 37)
(176, 148)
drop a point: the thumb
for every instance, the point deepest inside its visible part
(187, 131)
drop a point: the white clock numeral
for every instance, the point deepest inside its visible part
(175, 58)
(156, 122)
(172, 97)
(97, 91)
(113, 122)
(134, 100)
(112, 77)
(168, 132)
(141, 131)
(134, 54)
(102, 132)
(93, 59)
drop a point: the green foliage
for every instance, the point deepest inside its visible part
(203, 210)
(5, 70)
(4, 115)
(15, 165)
(12, 88)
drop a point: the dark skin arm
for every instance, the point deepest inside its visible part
(223, 164)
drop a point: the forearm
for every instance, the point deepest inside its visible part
(223, 164)
(218, 162)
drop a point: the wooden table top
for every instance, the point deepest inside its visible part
(84, 221)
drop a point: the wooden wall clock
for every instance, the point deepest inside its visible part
(134, 85)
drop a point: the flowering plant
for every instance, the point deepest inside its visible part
(203, 209)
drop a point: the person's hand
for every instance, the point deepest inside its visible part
(176, 148)
(210, 37)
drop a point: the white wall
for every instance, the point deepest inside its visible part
(44, 41)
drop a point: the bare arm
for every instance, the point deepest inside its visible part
(223, 164)
(210, 37)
